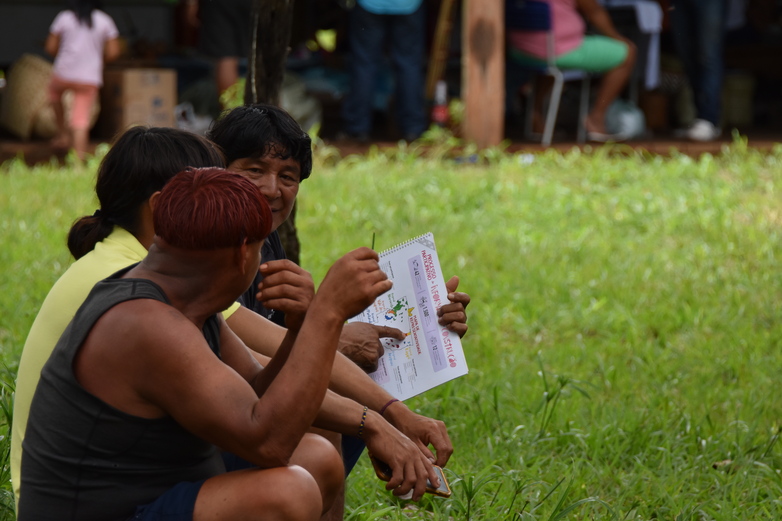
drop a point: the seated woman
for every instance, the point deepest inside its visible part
(609, 53)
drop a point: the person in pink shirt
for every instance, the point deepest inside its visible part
(81, 39)
(609, 53)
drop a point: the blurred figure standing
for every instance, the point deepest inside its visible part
(80, 39)
(698, 28)
(401, 25)
(224, 35)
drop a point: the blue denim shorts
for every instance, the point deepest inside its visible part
(176, 504)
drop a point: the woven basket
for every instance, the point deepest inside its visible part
(25, 94)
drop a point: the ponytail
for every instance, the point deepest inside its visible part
(88, 231)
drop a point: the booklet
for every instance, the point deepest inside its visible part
(430, 354)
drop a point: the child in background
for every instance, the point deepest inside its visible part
(80, 39)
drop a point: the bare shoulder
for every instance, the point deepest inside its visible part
(146, 323)
(148, 353)
(151, 339)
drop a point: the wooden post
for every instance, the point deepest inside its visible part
(483, 71)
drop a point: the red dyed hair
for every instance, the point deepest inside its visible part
(211, 208)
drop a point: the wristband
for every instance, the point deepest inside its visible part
(361, 425)
(383, 409)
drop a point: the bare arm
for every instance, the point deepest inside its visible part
(221, 407)
(191, 13)
(598, 17)
(347, 379)
(410, 463)
(353, 384)
(52, 44)
(265, 337)
(410, 466)
(286, 287)
(259, 334)
(111, 50)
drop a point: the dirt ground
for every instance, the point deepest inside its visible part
(40, 151)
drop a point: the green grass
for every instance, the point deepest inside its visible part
(624, 332)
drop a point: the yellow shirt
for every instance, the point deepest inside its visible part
(119, 250)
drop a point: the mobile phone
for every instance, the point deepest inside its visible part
(384, 472)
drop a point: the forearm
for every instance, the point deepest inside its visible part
(349, 380)
(111, 51)
(259, 334)
(342, 415)
(410, 465)
(363, 389)
(601, 21)
(294, 397)
(272, 365)
(265, 337)
(52, 45)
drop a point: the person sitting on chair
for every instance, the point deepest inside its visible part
(608, 53)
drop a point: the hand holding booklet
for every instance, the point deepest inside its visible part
(430, 354)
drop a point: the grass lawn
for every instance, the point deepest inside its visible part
(624, 330)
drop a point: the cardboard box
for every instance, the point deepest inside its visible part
(137, 97)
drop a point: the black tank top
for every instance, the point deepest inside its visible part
(85, 460)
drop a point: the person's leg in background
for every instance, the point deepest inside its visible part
(408, 47)
(63, 138)
(366, 33)
(613, 81)
(710, 39)
(683, 29)
(698, 30)
(226, 73)
(83, 99)
(225, 37)
(614, 59)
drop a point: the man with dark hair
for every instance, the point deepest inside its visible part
(148, 380)
(264, 143)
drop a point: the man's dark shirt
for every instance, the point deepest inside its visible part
(272, 250)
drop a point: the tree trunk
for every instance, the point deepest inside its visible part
(270, 38)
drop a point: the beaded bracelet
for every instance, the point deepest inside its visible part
(383, 409)
(361, 425)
